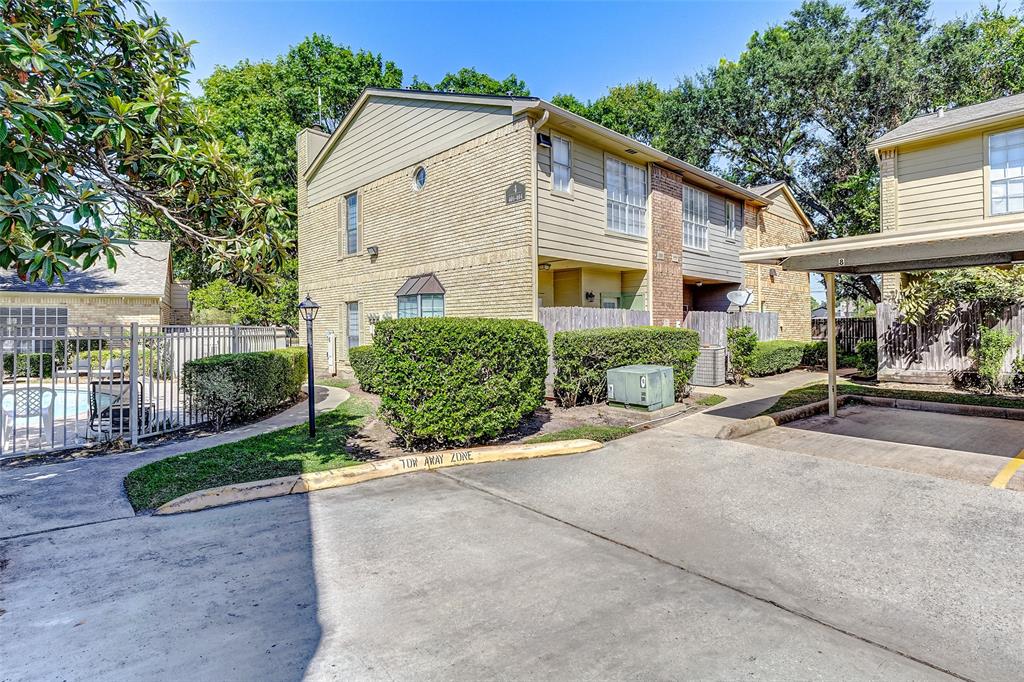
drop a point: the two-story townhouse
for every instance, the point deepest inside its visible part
(424, 204)
(958, 168)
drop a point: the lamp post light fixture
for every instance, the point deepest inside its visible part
(308, 310)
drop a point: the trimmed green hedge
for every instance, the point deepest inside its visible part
(775, 357)
(816, 355)
(583, 358)
(244, 385)
(29, 365)
(364, 364)
(452, 381)
(867, 357)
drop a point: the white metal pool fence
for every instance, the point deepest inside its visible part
(71, 386)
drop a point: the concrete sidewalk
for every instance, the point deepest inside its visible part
(50, 496)
(742, 402)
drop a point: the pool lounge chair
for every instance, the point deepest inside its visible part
(76, 369)
(110, 407)
(113, 368)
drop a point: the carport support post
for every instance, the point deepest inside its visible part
(830, 296)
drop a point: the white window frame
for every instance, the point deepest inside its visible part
(351, 230)
(351, 306)
(1006, 182)
(733, 219)
(556, 187)
(626, 190)
(696, 221)
(419, 305)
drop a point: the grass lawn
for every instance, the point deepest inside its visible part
(336, 382)
(815, 392)
(602, 434)
(280, 453)
(711, 400)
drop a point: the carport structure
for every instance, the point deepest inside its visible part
(911, 250)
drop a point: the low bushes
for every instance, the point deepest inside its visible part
(244, 385)
(31, 365)
(867, 357)
(454, 381)
(582, 358)
(775, 357)
(364, 363)
(741, 343)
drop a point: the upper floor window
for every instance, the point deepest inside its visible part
(733, 219)
(1006, 172)
(627, 197)
(695, 218)
(561, 164)
(351, 224)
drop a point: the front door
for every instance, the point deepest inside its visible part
(568, 287)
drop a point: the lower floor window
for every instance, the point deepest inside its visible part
(32, 328)
(421, 305)
(352, 310)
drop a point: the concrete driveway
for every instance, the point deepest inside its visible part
(663, 556)
(959, 447)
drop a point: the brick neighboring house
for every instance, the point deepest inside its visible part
(141, 290)
(425, 203)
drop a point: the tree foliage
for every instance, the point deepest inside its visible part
(471, 81)
(98, 138)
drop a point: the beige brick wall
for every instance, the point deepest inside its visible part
(787, 293)
(458, 227)
(889, 206)
(85, 309)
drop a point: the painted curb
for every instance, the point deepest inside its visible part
(335, 478)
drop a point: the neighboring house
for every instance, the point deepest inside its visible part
(954, 168)
(429, 204)
(140, 290)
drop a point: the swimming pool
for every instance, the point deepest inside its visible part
(67, 404)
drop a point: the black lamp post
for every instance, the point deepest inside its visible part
(308, 309)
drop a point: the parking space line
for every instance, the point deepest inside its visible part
(1007, 472)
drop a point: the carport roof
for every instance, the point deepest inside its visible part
(961, 245)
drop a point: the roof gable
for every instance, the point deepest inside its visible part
(943, 122)
(780, 188)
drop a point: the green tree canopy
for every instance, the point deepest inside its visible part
(471, 81)
(99, 139)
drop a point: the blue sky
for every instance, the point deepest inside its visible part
(576, 47)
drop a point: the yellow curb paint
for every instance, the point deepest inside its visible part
(335, 478)
(1007, 472)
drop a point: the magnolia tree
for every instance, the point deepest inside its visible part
(98, 140)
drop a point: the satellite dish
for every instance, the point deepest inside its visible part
(740, 297)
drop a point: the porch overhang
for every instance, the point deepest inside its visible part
(901, 251)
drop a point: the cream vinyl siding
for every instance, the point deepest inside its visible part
(722, 259)
(391, 133)
(576, 228)
(941, 183)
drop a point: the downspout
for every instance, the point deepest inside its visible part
(534, 129)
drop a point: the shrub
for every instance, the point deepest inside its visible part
(244, 385)
(774, 357)
(456, 381)
(867, 357)
(583, 358)
(29, 365)
(153, 361)
(741, 343)
(364, 363)
(816, 355)
(992, 348)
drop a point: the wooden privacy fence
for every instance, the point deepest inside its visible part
(712, 325)
(931, 352)
(849, 331)
(571, 318)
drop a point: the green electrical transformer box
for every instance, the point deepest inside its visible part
(646, 387)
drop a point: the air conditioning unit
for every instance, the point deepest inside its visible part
(645, 387)
(710, 369)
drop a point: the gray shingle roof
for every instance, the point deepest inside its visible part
(764, 189)
(141, 271)
(933, 124)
